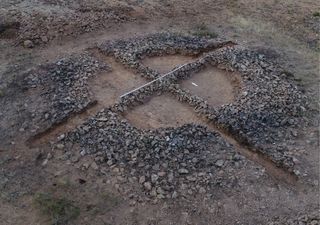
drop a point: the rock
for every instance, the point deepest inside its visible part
(202, 190)
(94, 166)
(219, 163)
(44, 39)
(61, 137)
(183, 171)
(142, 179)
(28, 44)
(60, 146)
(85, 166)
(154, 178)
(174, 195)
(74, 159)
(147, 186)
(45, 162)
(161, 174)
(102, 119)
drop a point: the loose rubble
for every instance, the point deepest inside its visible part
(311, 218)
(185, 160)
(48, 20)
(268, 105)
(62, 85)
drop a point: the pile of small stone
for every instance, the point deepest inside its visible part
(165, 162)
(131, 51)
(63, 87)
(311, 218)
(266, 110)
(269, 106)
(44, 20)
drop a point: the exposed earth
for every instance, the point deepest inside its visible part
(159, 112)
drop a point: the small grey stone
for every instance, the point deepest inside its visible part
(85, 165)
(147, 186)
(44, 39)
(142, 179)
(174, 194)
(61, 137)
(60, 146)
(94, 166)
(219, 163)
(28, 44)
(109, 162)
(202, 190)
(183, 171)
(154, 178)
(161, 174)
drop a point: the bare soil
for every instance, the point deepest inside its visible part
(161, 111)
(165, 64)
(286, 32)
(214, 85)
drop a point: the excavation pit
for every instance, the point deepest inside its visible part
(214, 85)
(108, 86)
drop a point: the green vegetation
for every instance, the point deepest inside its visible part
(109, 201)
(316, 14)
(106, 202)
(60, 210)
(204, 31)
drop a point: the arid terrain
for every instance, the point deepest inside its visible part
(159, 112)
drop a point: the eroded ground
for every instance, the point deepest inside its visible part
(227, 139)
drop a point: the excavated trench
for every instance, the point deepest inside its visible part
(214, 85)
(161, 111)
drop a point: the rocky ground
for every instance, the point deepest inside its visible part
(66, 158)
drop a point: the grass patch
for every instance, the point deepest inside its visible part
(106, 202)
(204, 31)
(110, 199)
(1, 93)
(59, 210)
(316, 14)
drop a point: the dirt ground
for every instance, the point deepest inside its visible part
(34, 32)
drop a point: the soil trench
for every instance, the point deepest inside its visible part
(279, 174)
(161, 111)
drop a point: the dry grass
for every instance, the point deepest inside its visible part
(203, 30)
(59, 210)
